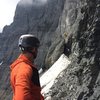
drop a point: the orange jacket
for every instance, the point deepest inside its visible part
(25, 80)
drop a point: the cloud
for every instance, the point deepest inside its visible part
(33, 2)
(26, 2)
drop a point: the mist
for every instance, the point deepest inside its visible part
(33, 2)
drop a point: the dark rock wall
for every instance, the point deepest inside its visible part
(63, 26)
(81, 80)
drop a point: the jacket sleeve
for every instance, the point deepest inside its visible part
(22, 86)
(42, 98)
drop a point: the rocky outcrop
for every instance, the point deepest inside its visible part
(63, 26)
(81, 80)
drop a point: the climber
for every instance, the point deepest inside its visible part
(24, 75)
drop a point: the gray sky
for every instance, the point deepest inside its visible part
(7, 10)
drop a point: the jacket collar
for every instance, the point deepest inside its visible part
(22, 58)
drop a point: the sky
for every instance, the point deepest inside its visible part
(7, 11)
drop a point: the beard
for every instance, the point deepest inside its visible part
(35, 55)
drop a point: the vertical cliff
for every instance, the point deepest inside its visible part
(81, 80)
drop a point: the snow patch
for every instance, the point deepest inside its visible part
(1, 63)
(48, 78)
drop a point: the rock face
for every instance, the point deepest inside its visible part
(63, 26)
(81, 80)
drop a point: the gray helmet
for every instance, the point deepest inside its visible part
(28, 41)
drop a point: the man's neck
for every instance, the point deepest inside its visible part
(29, 56)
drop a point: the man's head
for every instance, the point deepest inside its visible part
(29, 43)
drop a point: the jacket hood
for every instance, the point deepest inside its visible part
(21, 58)
(15, 63)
